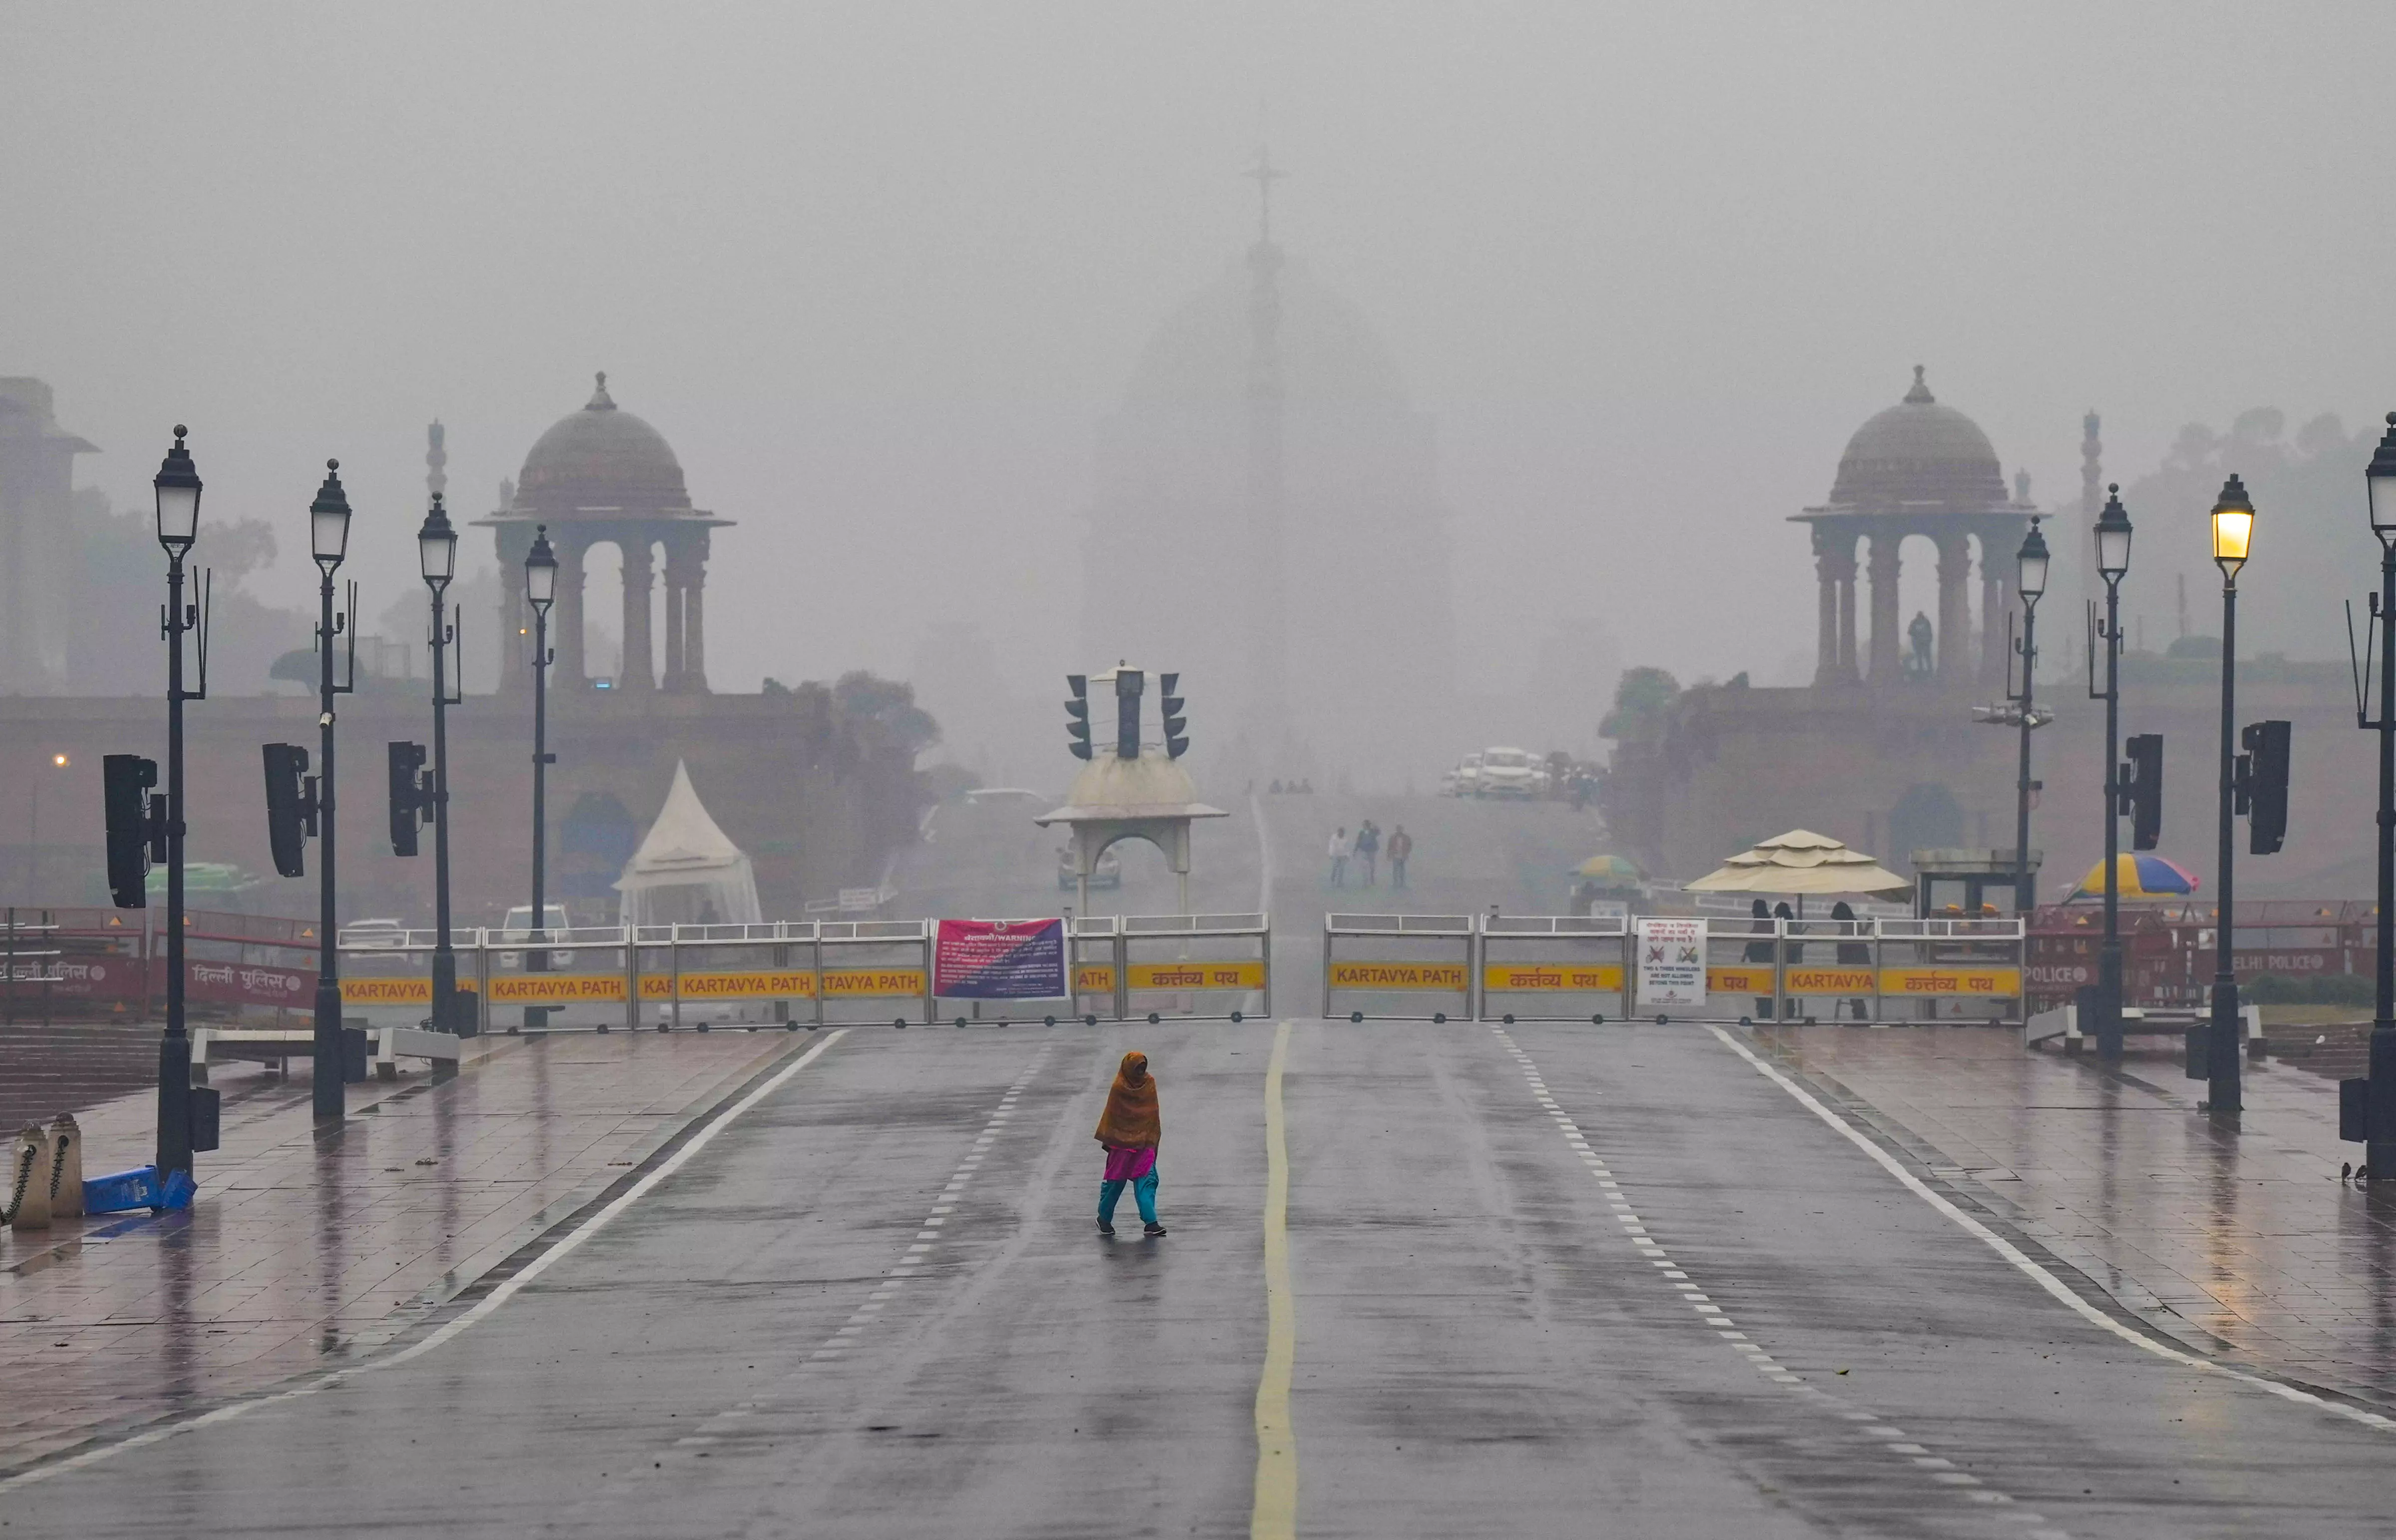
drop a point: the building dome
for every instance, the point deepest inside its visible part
(1919, 452)
(601, 460)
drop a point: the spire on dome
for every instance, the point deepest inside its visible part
(1918, 396)
(601, 402)
(1264, 175)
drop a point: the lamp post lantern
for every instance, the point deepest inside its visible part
(2031, 580)
(177, 487)
(2380, 1095)
(2112, 565)
(437, 546)
(2233, 533)
(329, 540)
(540, 588)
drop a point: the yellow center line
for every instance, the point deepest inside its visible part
(1276, 1514)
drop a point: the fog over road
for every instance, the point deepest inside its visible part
(1547, 1279)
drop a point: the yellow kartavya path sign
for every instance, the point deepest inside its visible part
(1448, 976)
(1197, 976)
(1551, 978)
(1992, 982)
(734, 984)
(394, 991)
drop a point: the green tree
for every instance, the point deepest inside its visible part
(1642, 700)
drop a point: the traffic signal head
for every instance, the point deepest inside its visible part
(1169, 703)
(1129, 683)
(1077, 715)
(132, 831)
(2263, 785)
(290, 807)
(409, 798)
(2142, 790)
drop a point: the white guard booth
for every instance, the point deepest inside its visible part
(686, 872)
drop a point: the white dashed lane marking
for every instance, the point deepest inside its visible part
(916, 1259)
(1942, 1472)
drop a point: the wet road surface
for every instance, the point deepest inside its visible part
(1548, 1280)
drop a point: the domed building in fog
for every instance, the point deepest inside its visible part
(1267, 522)
(603, 476)
(1917, 469)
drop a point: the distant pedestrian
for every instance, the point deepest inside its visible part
(1340, 858)
(1854, 952)
(1402, 844)
(1369, 850)
(1130, 1129)
(1761, 951)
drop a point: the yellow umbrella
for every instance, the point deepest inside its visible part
(1801, 862)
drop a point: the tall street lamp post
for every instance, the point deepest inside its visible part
(2112, 565)
(2031, 581)
(2380, 1093)
(437, 547)
(177, 489)
(540, 588)
(2233, 532)
(329, 541)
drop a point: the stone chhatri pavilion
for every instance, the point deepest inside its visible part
(602, 476)
(1918, 468)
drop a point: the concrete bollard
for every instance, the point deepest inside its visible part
(66, 1189)
(29, 1178)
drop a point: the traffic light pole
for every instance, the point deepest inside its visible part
(2221, 1059)
(2025, 893)
(175, 1046)
(331, 1099)
(444, 957)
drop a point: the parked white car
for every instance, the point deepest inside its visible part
(1509, 773)
(517, 928)
(1465, 779)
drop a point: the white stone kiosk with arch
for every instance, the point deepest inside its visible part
(1150, 798)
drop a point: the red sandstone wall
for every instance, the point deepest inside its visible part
(816, 810)
(1745, 765)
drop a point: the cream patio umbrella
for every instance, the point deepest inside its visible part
(1801, 862)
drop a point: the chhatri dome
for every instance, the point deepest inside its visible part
(601, 458)
(603, 477)
(1919, 452)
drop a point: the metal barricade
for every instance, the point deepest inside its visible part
(583, 977)
(1195, 966)
(867, 965)
(1952, 970)
(1095, 959)
(730, 975)
(387, 974)
(1875, 971)
(1381, 964)
(1553, 967)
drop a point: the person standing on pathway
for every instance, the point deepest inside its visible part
(1340, 858)
(1369, 850)
(1130, 1129)
(1402, 844)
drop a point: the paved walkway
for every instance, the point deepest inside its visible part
(304, 1249)
(2240, 1241)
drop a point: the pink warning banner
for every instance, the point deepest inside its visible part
(999, 960)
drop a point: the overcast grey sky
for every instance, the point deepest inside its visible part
(876, 268)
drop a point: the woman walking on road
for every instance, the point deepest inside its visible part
(1130, 1129)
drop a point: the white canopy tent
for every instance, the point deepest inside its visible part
(687, 871)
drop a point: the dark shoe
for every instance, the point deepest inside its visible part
(1153, 1229)
(1105, 1228)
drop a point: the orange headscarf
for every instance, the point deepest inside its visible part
(1131, 1121)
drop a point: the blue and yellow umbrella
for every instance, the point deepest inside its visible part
(2140, 876)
